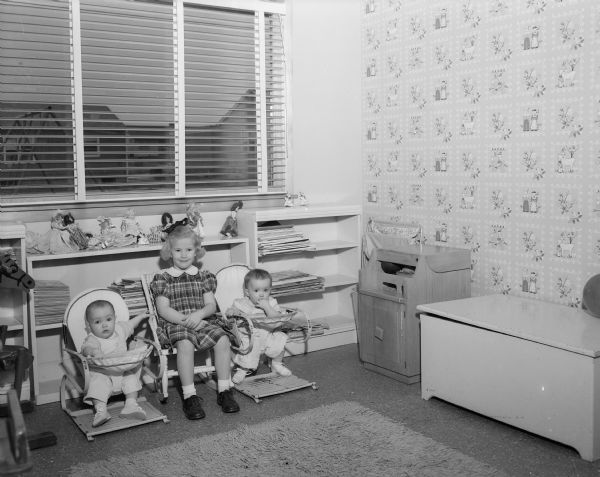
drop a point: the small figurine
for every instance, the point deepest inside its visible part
(194, 218)
(77, 236)
(289, 200)
(166, 221)
(230, 227)
(130, 225)
(302, 200)
(59, 236)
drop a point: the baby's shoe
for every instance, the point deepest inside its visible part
(280, 368)
(100, 418)
(132, 410)
(239, 375)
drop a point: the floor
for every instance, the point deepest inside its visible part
(339, 376)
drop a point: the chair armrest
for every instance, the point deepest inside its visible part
(157, 350)
(86, 371)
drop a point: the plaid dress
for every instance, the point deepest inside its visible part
(185, 294)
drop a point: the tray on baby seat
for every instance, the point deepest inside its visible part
(121, 362)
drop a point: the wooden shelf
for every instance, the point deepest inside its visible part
(335, 232)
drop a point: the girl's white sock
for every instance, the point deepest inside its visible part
(223, 385)
(188, 391)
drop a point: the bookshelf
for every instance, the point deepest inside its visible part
(100, 268)
(335, 234)
(13, 300)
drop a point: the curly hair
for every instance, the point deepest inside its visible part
(180, 232)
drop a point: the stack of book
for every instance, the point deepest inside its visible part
(132, 292)
(317, 329)
(290, 282)
(51, 300)
(277, 239)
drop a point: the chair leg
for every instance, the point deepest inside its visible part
(22, 363)
(165, 387)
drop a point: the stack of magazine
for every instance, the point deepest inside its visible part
(132, 292)
(277, 239)
(290, 282)
(51, 300)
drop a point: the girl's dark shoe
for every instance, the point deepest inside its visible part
(226, 401)
(192, 408)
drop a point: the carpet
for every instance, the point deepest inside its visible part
(339, 439)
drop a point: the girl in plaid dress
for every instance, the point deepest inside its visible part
(185, 303)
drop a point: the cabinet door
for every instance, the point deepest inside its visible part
(380, 332)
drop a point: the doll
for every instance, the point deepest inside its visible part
(194, 218)
(302, 200)
(59, 238)
(230, 227)
(77, 236)
(130, 225)
(166, 221)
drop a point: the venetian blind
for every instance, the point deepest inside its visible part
(128, 97)
(275, 97)
(221, 107)
(36, 116)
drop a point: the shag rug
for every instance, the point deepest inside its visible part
(340, 439)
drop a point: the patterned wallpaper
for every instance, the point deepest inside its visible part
(482, 122)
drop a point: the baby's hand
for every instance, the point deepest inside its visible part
(142, 316)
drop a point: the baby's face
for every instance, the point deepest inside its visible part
(101, 321)
(258, 290)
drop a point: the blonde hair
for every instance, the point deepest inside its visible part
(181, 232)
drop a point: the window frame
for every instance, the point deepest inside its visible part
(81, 199)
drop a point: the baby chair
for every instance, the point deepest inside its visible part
(230, 285)
(204, 370)
(77, 372)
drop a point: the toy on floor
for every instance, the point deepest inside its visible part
(230, 227)
(86, 372)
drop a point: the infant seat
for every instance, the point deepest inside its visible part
(230, 285)
(77, 367)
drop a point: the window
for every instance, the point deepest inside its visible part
(141, 99)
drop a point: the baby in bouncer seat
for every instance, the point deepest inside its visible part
(108, 337)
(258, 304)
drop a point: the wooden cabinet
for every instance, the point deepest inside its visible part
(392, 283)
(13, 300)
(99, 268)
(335, 236)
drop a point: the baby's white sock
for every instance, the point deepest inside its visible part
(100, 406)
(223, 385)
(188, 391)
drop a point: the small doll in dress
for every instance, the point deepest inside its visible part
(194, 219)
(230, 227)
